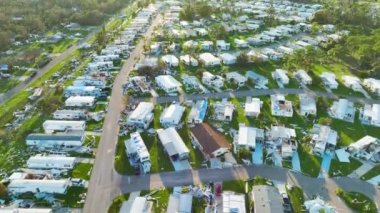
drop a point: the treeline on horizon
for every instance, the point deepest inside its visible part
(20, 18)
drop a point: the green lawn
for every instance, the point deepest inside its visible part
(74, 198)
(100, 107)
(15, 153)
(235, 186)
(160, 197)
(195, 157)
(93, 125)
(310, 164)
(7, 84)
(375, 171)
(239, 115)
(82, 171)
(199, 205)
(343, 169)
(117, 202)
(357, 201)
(92, 141)
(296, 199)
(21, 99)
(158, 157)
(122, 164)
(287, 163)
(258, 180)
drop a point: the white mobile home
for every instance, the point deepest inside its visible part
(168, 83)
(54, 140)
(170, 60)
(80, 101)
(209, 60)
(206, 45)
(247, 138)
(366, 148)
(223, 110)
(26, 183)
(252, 107)
(308, 105)
(267, 199)
(103, 66)
(222, 45)
(69, 114)
(260, 81)
(352, 82)
(188, 60)
(104, 58)
(343, 109)
(282, 139)
(280, 76)
(233, 202)
(137, 152)
(239, 43)
(211, 80)
(82, 91)
(237, 78)
(51, 126)
(372, 84)
(280, 106)
(82, 81)
(227, 58)
(172, 115)
(303, 77)
(323, 137)
(328, 79)
(138, 205)
(173, 144)
(51, 162)
(142, 116)
(370, 114)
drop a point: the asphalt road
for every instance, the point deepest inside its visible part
(323, 187)
(257, 92)
(104, 174)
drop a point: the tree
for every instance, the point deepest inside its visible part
(5, 38)
(3, 191)
(242, 59)
(218, 31)
(271, 19)
(101, 37)
(148, 71)
(244, 153)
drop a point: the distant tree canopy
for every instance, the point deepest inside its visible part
(191, 11)
(361, 51)
(19, 18)
(218, 31)
(303, 59)
(349, 13)
(361, 48)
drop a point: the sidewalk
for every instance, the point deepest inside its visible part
(361, 170)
